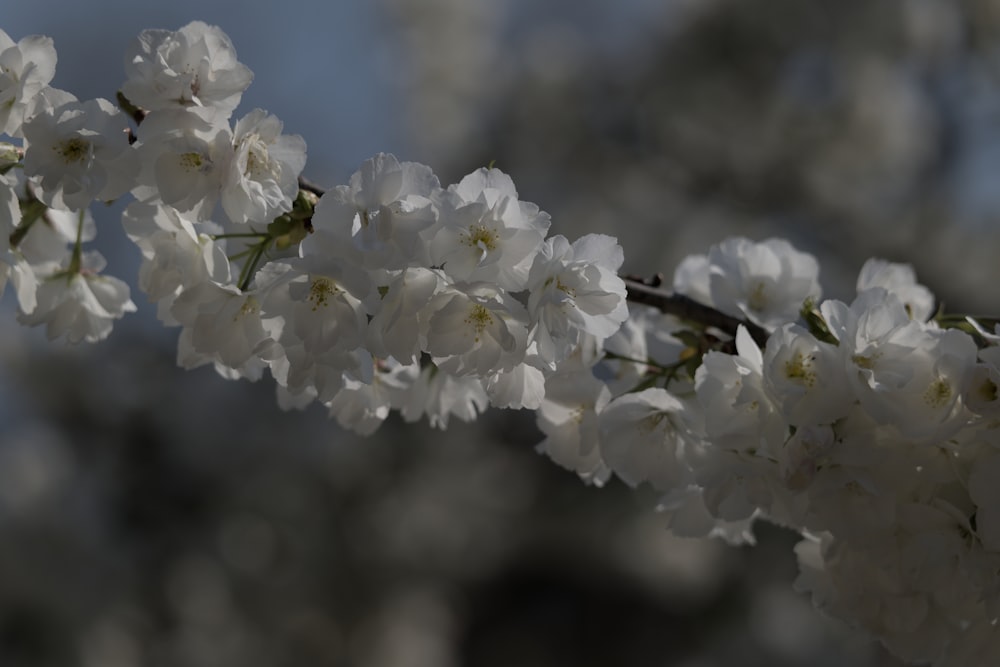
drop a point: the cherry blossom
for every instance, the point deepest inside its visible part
(868, 427)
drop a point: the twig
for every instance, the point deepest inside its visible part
(648, 293)
(309, 186)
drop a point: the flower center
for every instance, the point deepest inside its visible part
(249, 307)
(938, 394)
(866, 362)
(479, 318)
(987, 391)
(482, 237)
(194, 161)
(73, 150)
(258, 162)
(320, 292)
(800, 369)
(757, 299)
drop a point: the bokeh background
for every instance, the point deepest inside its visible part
(154, 517)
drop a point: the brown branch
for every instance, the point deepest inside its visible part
(137, 114)
(650, 294)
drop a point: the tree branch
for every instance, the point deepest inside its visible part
(309, 186)
(649, 293)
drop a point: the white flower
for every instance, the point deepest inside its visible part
(380, 218)
(224, 323)
(175, 255)
(568, 416)
(935, 547)
(904, 372)
(641, 436)
(15, 269)
(25, 69)
(738, 412)
(861, 580)
(399, 328)
(735, 486)
(183, 154)
(476, 329)
(47, 243)
(901, 280)
(193, 66)
(805, 377)
(315, 315)
(312, 309)
(486, 233)
(686, 513)
(261, 180)
(876, 336)
(765, 282)
(80, 305)
(692, 278)
(320, 376)
(188, 357)
(520, 387)
(14, 266)
(575, 289)
(439, 395)
(803, 454)
(320, 304)
(983, 396)
(363, 406)
(688, 516)
(10, 210)
(78, 152)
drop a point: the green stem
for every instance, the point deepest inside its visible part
(962, 323)
(10, 157)
(621, 357)
(250, 268)
(668, 373)
(963, 320)
(31, 211)
(245, 253)
(243, 235)
(284, 231)
(76, 260)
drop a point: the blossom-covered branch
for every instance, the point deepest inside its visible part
(649, 292)
(738, 394)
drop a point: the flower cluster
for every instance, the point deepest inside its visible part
(180, 160)
(388, 292)
(862, 425)
(870, 426)
(405, 295)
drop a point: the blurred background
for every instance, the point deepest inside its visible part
(154, 517)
